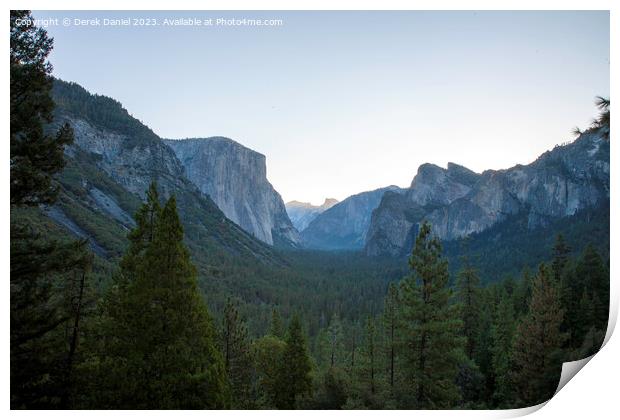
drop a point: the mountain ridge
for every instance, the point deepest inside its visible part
(558, 183)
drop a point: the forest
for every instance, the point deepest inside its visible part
(458, 325)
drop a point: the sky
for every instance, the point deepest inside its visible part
(345, 102)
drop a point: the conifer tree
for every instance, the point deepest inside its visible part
(367, 371)
(35, 155)
(390, 322)
(294, 379)
(432, 346)
(468, 297)
(235, 347)
(158, 348)
(561, 251)
(143, 234)
(335, 337)
(276, 329)
(268, 354)
(42, 268)
(593, 274)
(502, 333)
(538, 342)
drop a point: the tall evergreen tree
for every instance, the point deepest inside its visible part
(42, 269)
(42, 284)
(390, 326)
(561, 252)
(294, 379)
(158, 342)
(432, 346)
(268, 354)
(593, 274)
(235, 346)
(276, 329)
(502, 334)
(335, 337)
(538, 342)
(468, 297)
(368, 372)
(35, 155)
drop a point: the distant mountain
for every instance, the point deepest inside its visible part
(301, 214)
(344, 225)
(235, 178)
(113, 160)
(458, 202)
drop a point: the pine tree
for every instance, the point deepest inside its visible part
(523, 293)
(294, 379)
(158, 342)
(235, 346)
(35, 155)
(390, 326)
(502, 333)
(468, 297)
(593, 274)
(561, 251)
(42, 269)
(368, 367)
(432, 346)
(268, 354)
(143, 234)
(335, 337)
(42, 279)
(538, 342)
(276, 329)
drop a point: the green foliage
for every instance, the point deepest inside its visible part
(43, 275)
(276, 329)
(502, 334)
(367, 369)
(390, 324)
(35, 155)
(156, 341)
(508, 247)
(538, 343)
(432, 345)
(294, 379)
(50, 279)
(235, 347)
(268, 354)
(100, 110)
(468, 297)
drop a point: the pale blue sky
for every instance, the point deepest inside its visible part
(344, 102)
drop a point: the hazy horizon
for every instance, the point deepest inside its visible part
(345, 102)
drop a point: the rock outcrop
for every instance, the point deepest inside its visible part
(235, 178)
(344, 225)
(112, 162)
(458, 202)
(301, 214)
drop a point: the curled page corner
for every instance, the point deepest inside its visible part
(570, 369)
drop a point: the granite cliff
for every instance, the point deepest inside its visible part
(235, 178)
(458, 202)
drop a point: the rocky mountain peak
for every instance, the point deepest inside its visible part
(435, 185)
(458, 202)
(329, 202)
(235, 177)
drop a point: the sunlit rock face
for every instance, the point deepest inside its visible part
(301, 214)
(235, 178)
(458, 202)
